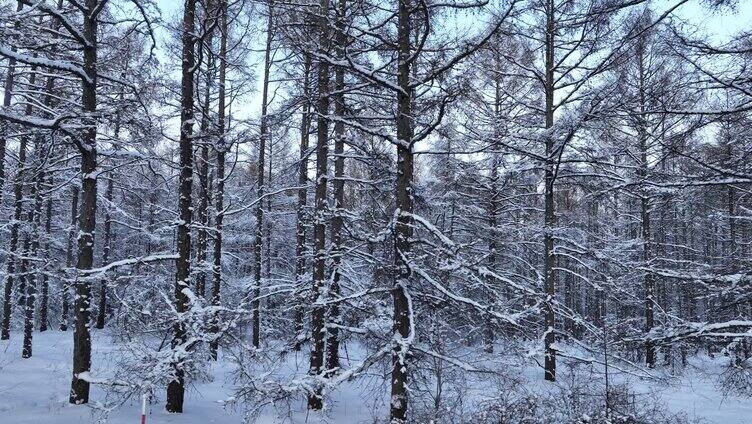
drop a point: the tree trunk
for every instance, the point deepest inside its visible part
(258, 242)
(549, 213)
(29, 295)
(34, 217)
(69, 259)
(221, 148)
(493, 221)
(49, 101)
(403, 229)
(269, 205)
(219, 199)
(175, 388)
(203, 164)
(332, 360)
(44, 306)
(18, 188)
(645, 208)
(731, 210)
(82, 313)
(7, 95)
(300, 233)
(106, 248)
(87, 219)
(318, 330)
(493, 204)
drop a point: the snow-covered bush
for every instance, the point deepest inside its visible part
(737, 378)
(574, 401)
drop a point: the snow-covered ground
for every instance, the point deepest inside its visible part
(697, 395)
(35, 391)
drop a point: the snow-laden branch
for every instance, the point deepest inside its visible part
(695, 330)
(91, 273)
(46, 63)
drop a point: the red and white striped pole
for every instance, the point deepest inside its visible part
(143, 408)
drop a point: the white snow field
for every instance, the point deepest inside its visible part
(35, 391)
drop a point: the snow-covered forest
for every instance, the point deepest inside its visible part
(370, 211)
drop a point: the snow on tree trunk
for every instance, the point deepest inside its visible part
(318, 329)
(402, 326)
(176, 387)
